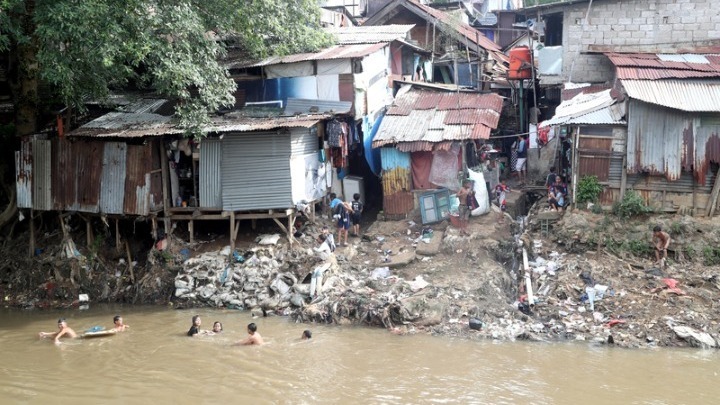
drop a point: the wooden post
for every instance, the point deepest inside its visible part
(232, 230)
(253, 223)
(164, 165)
(191, 230)
(89, 232)
(712, 202)
(291, 228)
(32, 232)
(117, 235)
(153, 221)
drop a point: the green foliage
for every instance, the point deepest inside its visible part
(711, 255)
(630, 206)
(596, 209)
(691, 252)
(677, 228)
(638, 247)
(85, 49)
(588, 189)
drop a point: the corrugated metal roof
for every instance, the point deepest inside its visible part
(144, 126)
(473, 35)
(333, 52)
(685, 95)
(583, 105)
(650, 66)
(369, 34)
(303, 106)
(423, 118)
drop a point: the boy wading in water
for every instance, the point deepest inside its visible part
(254, 337)
(661, 240)
(64, 330)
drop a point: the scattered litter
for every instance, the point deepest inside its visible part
(268, 239)
(380, 272)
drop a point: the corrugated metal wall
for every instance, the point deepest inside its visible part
(707, 148)
(664, 141)
(256, 171)
(24, 174)
(112, 182)
(210, 179)
(396, 182)
(42, 180)
(303, 141)
(138, 180)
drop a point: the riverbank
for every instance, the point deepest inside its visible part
(395, 278)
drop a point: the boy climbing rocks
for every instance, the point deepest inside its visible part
(661, 240)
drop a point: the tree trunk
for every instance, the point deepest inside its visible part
(24, 75)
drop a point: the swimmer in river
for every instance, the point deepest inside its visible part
(217, 327)
(194, 328)
(65, 330)
(254, 337)
(119, 326)
(306, 335)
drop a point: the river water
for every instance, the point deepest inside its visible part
(154, 362)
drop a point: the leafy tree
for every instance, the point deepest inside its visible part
(85, 48)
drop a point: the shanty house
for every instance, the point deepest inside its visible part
(422, 137)
(459, 51)
(247, 168)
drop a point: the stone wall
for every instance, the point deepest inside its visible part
(631, 26)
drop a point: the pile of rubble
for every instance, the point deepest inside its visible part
(276, 279)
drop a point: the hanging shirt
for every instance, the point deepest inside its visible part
(334, 130)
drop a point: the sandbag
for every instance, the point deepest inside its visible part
(481, 194)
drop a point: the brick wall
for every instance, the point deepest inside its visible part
(634, 26)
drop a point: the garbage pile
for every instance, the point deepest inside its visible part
(277, 279)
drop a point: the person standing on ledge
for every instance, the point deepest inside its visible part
(65, 330)
(661, 240)
(464, 209)
(254, 337)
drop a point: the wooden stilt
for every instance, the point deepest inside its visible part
(191, 230)
(713, 200)
(154, 228)
(165, 169)
(291, 228)
(32, 232)
(117, 235)
(232, 230)
(253, 223)
(89, 232)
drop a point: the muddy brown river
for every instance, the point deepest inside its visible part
(155, 363)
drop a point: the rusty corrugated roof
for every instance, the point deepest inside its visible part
(463, 29)
(650, 66)
(425, 118)
(219, 125)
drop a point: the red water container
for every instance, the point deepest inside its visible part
(520, 63)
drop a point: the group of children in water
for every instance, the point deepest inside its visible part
(253, 338)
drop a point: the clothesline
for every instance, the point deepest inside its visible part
(509, 136)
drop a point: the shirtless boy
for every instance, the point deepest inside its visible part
(254, 337)
(661, 240)
(64, 330)
(118, 324)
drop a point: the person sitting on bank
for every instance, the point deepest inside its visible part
(254, 337)
(661, 240)
(329, 237)
(195, 327)
(306, 335)
(118, 324)
(64, 330)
